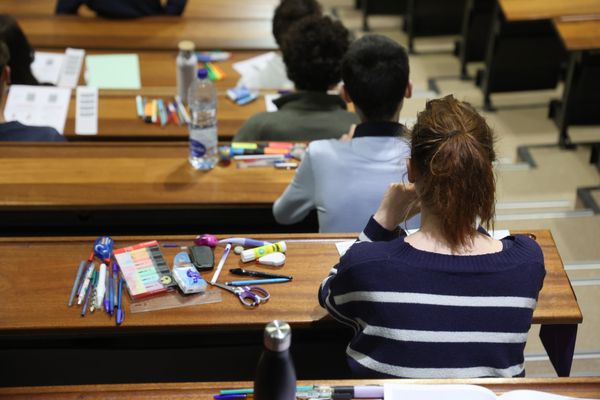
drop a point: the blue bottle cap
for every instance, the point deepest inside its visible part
(202, 73)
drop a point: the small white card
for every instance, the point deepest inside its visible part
(38, 105)
(71, 68)
(269, 105)
(86, 115)
(46, 67)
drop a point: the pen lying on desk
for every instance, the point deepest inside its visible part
(258, 274)
(257, 281)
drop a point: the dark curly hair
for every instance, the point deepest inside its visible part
(375, 73)
(290, 11)
(312, 52)
(21, 52)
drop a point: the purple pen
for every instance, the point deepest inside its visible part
(107, 308)
(120, 313)
(115, 284)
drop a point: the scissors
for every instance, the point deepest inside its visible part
(250, 296)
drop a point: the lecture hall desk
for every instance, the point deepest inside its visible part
(215, 9)
(148, 33)
(117, 115)
(581, 93)
(129, 187)
(588, 388)
(42, 341)
(524, 51)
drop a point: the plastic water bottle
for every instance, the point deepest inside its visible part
(186, 68)
(275, 373)
(202, 100)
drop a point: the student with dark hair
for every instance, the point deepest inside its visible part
(21, 52)
(344, 180)
(312, 52)
(290, 11)
(270, 73)
(123, 8)
(15, 131)
(448, 301)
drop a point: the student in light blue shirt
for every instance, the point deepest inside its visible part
(344, 180)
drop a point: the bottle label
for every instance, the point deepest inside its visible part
(202, 139)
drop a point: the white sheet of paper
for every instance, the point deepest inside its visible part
(342, 247)
(265, 71)
(398, 391)
(46, 66)
(86, 114)
(434, 392)
(269, 105)
(38, 105)
(71, 68)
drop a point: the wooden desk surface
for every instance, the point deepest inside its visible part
(573, 387)
(117, 116)
(238, 9)
(36, 275)
(520, 10)
(117, 120)
(579, 35)
(158, 70)
(53, 175)
(149, 33)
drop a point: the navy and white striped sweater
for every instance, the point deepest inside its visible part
(419, 314)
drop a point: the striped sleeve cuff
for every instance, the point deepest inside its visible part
(374, 232)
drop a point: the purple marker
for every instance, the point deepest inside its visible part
(244, 242)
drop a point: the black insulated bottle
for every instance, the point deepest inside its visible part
(275, 373)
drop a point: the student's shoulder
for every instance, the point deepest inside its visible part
(529, 246)
(371, 252)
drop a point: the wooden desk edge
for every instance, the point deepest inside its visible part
(581, 387)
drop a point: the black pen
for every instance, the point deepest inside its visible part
(258, 274)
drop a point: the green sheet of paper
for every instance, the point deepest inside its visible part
(113, 71)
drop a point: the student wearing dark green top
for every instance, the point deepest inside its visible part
(312, 52)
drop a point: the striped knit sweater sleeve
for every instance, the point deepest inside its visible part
(418, 314)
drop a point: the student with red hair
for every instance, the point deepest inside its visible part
(448, 301)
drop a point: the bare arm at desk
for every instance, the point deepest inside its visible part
(299, 197)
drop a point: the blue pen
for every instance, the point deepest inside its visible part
(107, 308)
(257, 281)
(120, 312)
(230, 396)
(115, 277)
(162, 112)
(76, 282)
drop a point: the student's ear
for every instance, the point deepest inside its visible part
(5, 77)
(345, 94)
(410, 171)
(408, 91)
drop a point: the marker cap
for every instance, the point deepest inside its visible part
(186, 45)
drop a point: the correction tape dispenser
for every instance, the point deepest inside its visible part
(274, 259)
